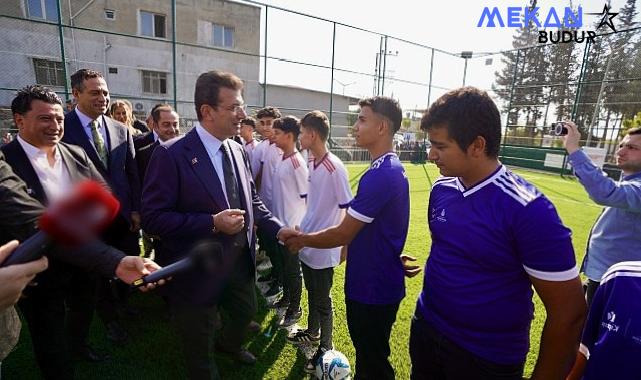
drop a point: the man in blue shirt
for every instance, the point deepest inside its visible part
(374, 229)
(611, 343)
(494, 237)
(616, 235)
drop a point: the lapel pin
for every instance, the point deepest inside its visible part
(194, 161)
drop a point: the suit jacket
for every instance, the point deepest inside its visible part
(180, 195)
(121, 173)
(95, 256)
(143, 140)
(143, 155)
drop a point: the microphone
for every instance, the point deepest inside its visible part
(206, 255)
(72, 220)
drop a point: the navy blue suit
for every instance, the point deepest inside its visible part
(181, 194)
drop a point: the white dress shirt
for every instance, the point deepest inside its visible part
(54, 179)
(86, 121)
(212, 146)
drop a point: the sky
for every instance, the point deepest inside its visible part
(450, 26)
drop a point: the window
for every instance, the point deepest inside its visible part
(154, 82)
(152, 25)
(110, 14)
(222, 36)
(43, 9)
(49, 73)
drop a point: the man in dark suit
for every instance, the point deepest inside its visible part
(109, 145)
(149, 136)
(49, 168)
(201, 188)
(164, 128)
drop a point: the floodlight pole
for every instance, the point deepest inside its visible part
(466, 55)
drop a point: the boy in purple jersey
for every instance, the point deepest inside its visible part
(494, 237)
(611, 343)
(374, 228)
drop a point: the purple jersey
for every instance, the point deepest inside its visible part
(374, 270)
(612, 335)
(486, 240)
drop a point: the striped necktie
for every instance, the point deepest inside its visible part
(99, 142)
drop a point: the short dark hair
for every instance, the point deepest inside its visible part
(78, 78)
(249, 121)
(386, 107)
(317, 121)
(467, 113)
(158, 108)
(288, 124)
(208, 86)
(634, 131)
(268, 112)
(21, 104)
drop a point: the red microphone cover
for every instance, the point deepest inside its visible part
(81, 215)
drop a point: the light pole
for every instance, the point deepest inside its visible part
(465, 55)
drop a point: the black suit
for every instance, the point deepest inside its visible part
(44, 306)
(143, 156)
(143, 140)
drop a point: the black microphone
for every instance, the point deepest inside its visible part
(206, 255)
(72, 220)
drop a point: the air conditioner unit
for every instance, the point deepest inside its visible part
(139, 106)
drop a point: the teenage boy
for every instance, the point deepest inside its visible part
(268, 154)
(495, 239)
(375, 228)
(329, 194)
(247, 126)
(289, 193)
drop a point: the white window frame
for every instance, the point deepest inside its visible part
(53, 68)
(112, 11)
(153, 24)
(43, 9)
(153, 77)
(226, 29)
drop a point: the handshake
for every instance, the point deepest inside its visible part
(292, 238)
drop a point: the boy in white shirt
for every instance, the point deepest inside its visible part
(329, 194)
(247, 126)
(289, 193)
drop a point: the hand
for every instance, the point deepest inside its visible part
(571, 140)
(285, 233)
(132, 268)
(14, 278)
(135, 221)
(230, 221)
(410, 270)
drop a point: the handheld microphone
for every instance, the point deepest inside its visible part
(206, 255)
(74, 219)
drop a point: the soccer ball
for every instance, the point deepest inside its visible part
(333, 365)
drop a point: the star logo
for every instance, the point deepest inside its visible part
(606, 17)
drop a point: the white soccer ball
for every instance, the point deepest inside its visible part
(333, 365)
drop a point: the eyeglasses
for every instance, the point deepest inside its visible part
(237, 108)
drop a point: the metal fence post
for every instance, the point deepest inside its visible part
(265, 62)
(384, 67)
(584, 66)
(509, 104)
(429, 86)
(331, 86)
(61, 36)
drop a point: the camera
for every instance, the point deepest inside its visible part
(558, 129)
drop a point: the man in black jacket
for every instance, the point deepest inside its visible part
(49, 168)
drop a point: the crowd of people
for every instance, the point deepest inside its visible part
(268, 184)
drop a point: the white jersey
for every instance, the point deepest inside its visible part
(271, 157)
(329, 193)
(290, 189)
(257, 156)
(249, 149)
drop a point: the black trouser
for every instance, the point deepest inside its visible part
(434, 357)
(195, 325)
(319, 299)
(44, 310)
(292, 279)
(590, 289)
(370, 327)
(269, 244)
(81, 302)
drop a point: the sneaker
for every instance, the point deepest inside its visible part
(281, 303)
(291, 317)
(310, 365)
(303, 336)
(273, 290)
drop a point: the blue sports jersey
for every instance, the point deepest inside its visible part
(612, 334)
(374, 270)
(486, 240)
